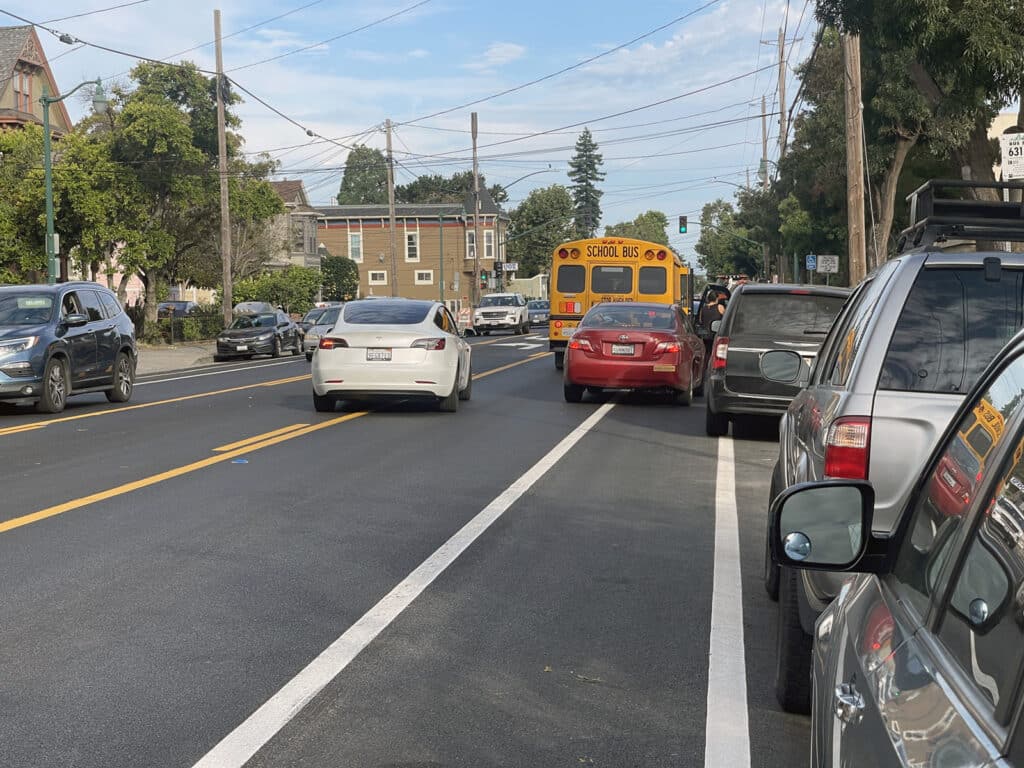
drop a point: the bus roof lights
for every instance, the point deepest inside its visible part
(662, 255)
(563, 253)
(575, 253)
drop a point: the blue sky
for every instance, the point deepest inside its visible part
(444, 53)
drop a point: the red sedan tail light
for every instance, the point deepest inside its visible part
(328, 343)
(720, 353)
(583, 344)
(667, 346)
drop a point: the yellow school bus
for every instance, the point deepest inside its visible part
(983, 430)
(588, 272)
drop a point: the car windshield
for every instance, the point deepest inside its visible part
(629, 316)
(255, 321)
(498, 301)
(25, 309)
(385, 312)
(786, 315)
(538, 305)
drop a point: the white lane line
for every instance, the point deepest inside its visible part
(219, 372)
(248, 738)
(726, 733)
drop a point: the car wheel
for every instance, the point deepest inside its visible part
(525, 328)
(715, 424)
(573, 393)
(559, 360)
(276, 351)
(699, 389)
(486, 333)
(684, 397)
(595, 390)
(465, 394)
(55, 387)
(124, 380)
(792, 649)
(323, 403)
(450, 404)
(771, 570)
(309, 357)
(219, 358)
(297, 349)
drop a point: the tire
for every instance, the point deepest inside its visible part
(486, 333)
(55, 386)
(276, 351)
(525, 329)
(573, 393)
(595, 390)
(715, 424)
(323, 403)
(124, 380)
(559, 360)
(309, 357)
(465, 394)
(685, 397)
(450, 404)
(792, 650)
(219, 358)
(771, 570)
(699, 389)
(297, 349)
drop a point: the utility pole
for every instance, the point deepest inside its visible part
(854, 160)
(226, 301)
(764, 143)
(476, 216)
(782, 94)
(392, 242)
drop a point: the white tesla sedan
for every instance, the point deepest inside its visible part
(398, 348)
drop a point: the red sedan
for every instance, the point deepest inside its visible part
(634, 345)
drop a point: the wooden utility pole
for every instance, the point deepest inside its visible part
(476, 216)
(392, 234)
(854, 161)
(226, 301)
(764, 143)
(782, 94)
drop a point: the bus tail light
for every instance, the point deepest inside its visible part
(558, 323)
(720, 353)
(848, 447)
(572, 307)
(330, 343)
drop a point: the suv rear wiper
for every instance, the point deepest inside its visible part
(812, 332)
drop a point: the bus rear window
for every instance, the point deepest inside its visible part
(571, 278)
(611, 280)
(653, 280)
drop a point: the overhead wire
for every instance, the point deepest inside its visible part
(98, 10)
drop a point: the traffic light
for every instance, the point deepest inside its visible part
(483, 278)
(682, 225)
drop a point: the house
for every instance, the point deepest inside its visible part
(436, 247)
(25, 75)
(297, 228)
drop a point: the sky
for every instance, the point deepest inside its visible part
(694, 146)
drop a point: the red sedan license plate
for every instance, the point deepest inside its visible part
(622, 349)
(378, 354)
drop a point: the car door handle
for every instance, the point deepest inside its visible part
(849, 704)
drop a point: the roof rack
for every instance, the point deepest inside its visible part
(935, 217)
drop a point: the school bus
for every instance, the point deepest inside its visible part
(588, 272)
(960, 468)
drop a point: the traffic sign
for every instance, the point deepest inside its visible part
(812, 262)
(511, 266)
(1012, 146)
(828, 265)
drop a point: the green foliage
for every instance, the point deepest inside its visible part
(365, 180)
(585, 174)
(294, 288)
(538, 225)
(434, 188)
(648, 226)
(723, 248)
(340, 278)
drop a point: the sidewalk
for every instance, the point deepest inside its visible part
(163, 357)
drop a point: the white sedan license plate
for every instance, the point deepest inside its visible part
(378, 354)
(622, 349)
(242, 348)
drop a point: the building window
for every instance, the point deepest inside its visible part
(23, 92)
(298, 243)
(310, 237)
(378, 277)
(424, 277)
(489, 244)
(412, 246)
(355, 246)
(470, 245)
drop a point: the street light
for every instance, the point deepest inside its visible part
(99, 104)
(549, 169)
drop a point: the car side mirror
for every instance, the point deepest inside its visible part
(824, 525)
(716, 325)
(783, 366)
(75, 320)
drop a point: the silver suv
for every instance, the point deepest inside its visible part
(909, 344)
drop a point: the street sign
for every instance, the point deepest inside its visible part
(812, 262)
(1012, 146)
(511, 266)
(828, 265)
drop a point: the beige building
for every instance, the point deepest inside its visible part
(436, 248)
(297, 229)
(25, 76)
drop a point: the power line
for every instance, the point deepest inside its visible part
(562, 71)
(93, 13)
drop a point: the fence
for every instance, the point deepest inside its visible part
(198, 326)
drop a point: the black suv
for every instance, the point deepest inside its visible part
(61, 340)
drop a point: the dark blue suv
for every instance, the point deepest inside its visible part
(61, 340)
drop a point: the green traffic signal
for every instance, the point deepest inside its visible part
(682, 225)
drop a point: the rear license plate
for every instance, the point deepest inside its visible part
(378, 354)
(242, 348)
(948, 479)
(622, 349)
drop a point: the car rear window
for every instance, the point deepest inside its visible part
(952, 325)
(627, 316)
(571, 278)
(788, 315)
(385, 312)
(328, 317)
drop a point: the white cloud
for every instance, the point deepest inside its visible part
(498, 54)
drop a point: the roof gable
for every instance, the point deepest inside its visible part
(21, 44)
(291, 191)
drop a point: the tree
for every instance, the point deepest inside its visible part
(649, 226)
(538, 225)
(340, 278)
(585, 174)
(294, 288)
(365, 180)
(724, 247)
(434, 188)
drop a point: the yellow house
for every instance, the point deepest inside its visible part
(24, 74)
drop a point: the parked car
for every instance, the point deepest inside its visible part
(539, 311)
(253, 308)
(309, 319)
(762, 317)
(267, 333)
(911, 341)
(634, 345)
(919, 661)
(393, 348)
(502, 312)
(168, 309)
(321, 327)
(61, 340)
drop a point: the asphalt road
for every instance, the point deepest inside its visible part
(176, 569)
